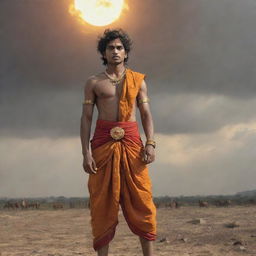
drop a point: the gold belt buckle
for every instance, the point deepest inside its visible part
(117, 133)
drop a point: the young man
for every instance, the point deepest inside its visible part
(117, 163)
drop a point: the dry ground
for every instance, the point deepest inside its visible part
(67, 232)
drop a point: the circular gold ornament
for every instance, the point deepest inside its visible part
(117, 133)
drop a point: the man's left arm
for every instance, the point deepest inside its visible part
(147, 123)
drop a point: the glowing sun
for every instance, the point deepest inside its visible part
(98, 12)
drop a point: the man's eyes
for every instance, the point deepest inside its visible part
(118, 47)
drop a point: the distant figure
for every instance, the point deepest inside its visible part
(33, 205)
(173, 204)
(71, 205)
(24, 204)
(157, 205)
(16, 204)
(88, 204)
(203, 203)
(223, 203)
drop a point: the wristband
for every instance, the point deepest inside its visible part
(151, 142)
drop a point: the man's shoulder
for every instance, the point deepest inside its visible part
(94, 79)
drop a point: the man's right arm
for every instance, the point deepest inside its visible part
(85, 128)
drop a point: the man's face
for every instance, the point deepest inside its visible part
(115, 52)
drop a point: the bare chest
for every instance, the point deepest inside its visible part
(105, 89)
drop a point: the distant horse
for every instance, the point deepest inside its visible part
(203, 203)
(57, 206)
(33, 205)
(9, 205)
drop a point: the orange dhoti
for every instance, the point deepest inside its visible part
(122, 178)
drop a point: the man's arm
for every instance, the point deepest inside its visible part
(147, 122)
(85, 127)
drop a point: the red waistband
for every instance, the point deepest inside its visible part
(103, 127)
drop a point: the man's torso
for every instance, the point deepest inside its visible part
(107, 98)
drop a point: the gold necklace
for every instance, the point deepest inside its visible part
(115, 81)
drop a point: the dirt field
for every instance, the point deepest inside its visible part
(67, 232)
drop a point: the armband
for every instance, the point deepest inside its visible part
(89, 102)
(144, 100)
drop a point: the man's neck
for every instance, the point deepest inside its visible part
(115, 70)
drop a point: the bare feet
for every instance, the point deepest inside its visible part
(146, 245)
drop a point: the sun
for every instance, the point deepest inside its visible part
(98, 12)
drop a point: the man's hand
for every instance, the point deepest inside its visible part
(148, 154)
(89, 164)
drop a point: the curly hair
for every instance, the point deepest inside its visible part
(110, 35)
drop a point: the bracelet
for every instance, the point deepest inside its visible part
(151, 142)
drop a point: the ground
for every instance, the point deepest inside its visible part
(67, 232)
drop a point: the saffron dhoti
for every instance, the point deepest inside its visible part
(122, 178)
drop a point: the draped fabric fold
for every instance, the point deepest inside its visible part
(131, 86)
(122, 177)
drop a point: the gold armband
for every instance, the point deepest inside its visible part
(90, 102)
(151, 142)
(144, 100)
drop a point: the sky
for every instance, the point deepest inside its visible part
(200, 66)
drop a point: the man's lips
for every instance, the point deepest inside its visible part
(115, 57)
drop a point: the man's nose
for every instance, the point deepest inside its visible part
(115, 50)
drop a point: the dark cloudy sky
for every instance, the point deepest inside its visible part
(199, 58)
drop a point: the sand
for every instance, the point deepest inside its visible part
(67, 232)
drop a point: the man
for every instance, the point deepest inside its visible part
(117, 163)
